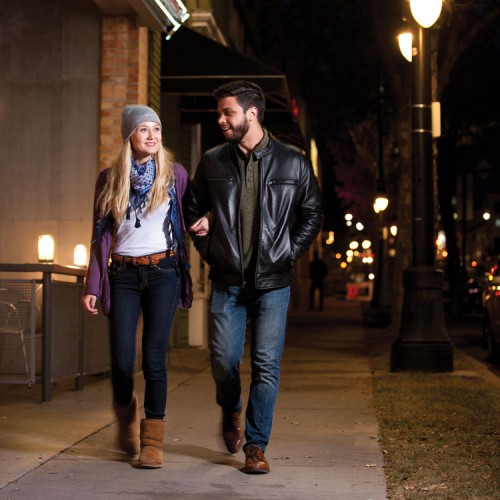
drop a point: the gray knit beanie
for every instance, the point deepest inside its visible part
(133, 116)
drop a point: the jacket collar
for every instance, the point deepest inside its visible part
(258, 154)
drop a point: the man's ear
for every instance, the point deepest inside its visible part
(253, 112)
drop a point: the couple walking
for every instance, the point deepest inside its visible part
(253, 208)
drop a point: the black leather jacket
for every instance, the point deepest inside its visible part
(290, 213)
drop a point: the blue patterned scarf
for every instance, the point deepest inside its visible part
(141, 180)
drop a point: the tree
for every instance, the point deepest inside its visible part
(469, 40)
(336, 53)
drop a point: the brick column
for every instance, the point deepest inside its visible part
(124, 76)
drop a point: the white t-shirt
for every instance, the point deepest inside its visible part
(145, 240)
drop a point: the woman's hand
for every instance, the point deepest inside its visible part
(88, 303)
(201, 227)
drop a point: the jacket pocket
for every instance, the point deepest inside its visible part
(286, 182)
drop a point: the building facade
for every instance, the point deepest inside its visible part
(69, 69)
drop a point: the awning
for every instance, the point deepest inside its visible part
(194, 65)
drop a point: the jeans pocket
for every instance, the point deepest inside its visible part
(167, 266)
(114, 269)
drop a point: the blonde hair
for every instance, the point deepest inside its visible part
(114, 197)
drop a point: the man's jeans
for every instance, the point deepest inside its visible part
(267, 310)
(156, 289)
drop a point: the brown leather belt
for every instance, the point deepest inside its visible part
(143, 260)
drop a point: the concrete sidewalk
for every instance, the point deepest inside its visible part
(324, 443)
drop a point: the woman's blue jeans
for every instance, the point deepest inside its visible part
(156, 290)
(266, 310)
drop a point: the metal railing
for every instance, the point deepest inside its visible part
(47, 311)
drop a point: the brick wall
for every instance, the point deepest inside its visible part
(120, 77)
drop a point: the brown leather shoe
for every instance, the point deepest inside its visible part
(231, 431)
(255, 461)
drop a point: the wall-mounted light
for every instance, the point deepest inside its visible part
(80, 255)
(161, 15)
(314, 157)
(46, 247)
(295, 109)
(176, 13)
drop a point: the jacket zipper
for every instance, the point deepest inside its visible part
(240, 242)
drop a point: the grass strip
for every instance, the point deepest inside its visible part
(440, 433)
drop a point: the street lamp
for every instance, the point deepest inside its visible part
(379, 206)
(423, 342)
(405, 41)
(381, 202)
(377, 314)
(426, 12)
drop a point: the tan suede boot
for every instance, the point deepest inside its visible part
(152, 437)
(128, 426)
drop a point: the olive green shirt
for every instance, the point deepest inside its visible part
(250, 207)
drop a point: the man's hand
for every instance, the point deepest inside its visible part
(200, 227)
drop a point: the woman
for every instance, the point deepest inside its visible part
(139, 228)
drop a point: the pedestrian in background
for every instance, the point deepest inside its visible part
(254, 209)
(138, 224)
(317, 273)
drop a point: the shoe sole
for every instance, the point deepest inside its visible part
(255, 471)
(233, 452)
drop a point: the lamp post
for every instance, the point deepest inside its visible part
(423, 342)
(379, 206)
(379, 315)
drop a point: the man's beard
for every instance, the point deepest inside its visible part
(239, 131)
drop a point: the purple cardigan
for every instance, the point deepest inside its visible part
(97, 282)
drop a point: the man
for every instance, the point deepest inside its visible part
(317, 273)
(254, 209)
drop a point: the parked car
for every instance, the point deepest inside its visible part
(472, 288)
(491, 318)
(473, 298)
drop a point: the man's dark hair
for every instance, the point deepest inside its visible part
(247, 94)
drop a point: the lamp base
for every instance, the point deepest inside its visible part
(423, 343)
